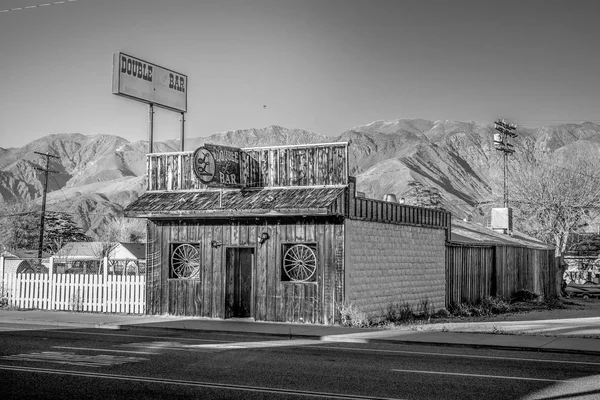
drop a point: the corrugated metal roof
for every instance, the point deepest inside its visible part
(235, 202)
(467, 232)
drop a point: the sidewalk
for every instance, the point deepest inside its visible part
(566, 335)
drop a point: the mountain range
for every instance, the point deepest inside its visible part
(94, 177)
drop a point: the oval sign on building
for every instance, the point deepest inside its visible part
(217, 166)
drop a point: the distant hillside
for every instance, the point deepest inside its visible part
(97, 176)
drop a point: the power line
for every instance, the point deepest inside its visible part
(63, 193)
(54, 3)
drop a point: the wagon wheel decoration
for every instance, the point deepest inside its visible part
(300, 263)
(185, 261)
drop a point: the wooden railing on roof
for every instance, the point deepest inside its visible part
(323, 164)
(389, 212)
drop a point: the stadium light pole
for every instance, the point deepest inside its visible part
(502, 143)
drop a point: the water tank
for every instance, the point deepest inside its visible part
(390, 197)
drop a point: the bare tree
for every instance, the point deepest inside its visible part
(104, 249)
(126, 230)
(553, 197)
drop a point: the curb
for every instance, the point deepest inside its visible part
(336, 339)
(66, 324)
(176, 328)
(324, 338)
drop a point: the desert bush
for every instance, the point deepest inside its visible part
(494, 305)
(442, 313)
(487, 306)
(425, 309)
(352, 316)
(524, 295)
(398, 313)
(404, 313)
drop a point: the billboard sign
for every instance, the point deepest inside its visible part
(149, 83)
(218, 166)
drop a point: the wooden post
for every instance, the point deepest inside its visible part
(105, 283)
(2, 274)
(51, 289)
(182, 132)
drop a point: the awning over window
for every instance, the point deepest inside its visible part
(237, 202)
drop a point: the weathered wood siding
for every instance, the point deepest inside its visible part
(306, 165)
(310, 165)
(274, 299)
(470, 274)
(476, 271)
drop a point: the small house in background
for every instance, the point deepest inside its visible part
(280, 234)
(25, 261)
(87, 258)
(583, 258)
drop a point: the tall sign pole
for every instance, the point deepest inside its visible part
(182, 136)
(502, 143)
(45, 171)
(150, 128)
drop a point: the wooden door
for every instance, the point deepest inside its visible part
(238, 290)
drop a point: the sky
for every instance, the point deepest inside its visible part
(320, 65)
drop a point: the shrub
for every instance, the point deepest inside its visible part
(486, 307)
(495, 305)
(399, 313)
(425, 309)
(525, 295)
(442, 313)
(351, 316)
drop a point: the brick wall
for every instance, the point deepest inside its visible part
(394, 264)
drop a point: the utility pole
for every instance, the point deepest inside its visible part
(45, 171)
(501, 143)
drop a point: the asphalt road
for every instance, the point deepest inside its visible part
(154, 363)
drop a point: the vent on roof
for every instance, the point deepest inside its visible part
(390, 198)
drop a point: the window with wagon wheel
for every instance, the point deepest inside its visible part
(185, 261)
(299, 262)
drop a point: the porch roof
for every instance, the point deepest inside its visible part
(238, 202)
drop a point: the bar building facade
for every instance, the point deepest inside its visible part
(279, 234)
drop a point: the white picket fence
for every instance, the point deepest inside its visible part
(75, 292)
(86, 293)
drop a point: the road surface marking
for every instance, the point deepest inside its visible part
(109, 350)
(155, 380)
(101, 360)
(462, 355)
(479, 376)
(144, 336)
(226, 346)
(255, 345)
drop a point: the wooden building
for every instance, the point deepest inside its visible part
(278, 234)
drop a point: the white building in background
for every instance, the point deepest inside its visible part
(87, 257)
